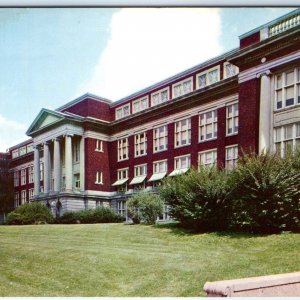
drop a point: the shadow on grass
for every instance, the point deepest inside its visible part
(176, 229)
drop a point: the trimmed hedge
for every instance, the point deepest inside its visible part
(30, 213)
(99, 215)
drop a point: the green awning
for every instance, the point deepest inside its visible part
(119, 182)
(157, 176)
(178, 172)
(138, 180)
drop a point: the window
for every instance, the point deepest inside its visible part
(231, 157)
(140, 144)
(23, 176)
(77, 181)
(182, 162)
(99, 203)
(207, 158)
(99, 178)
(76, 152)
(183, 87)
(31, 174)
(99, 146)
(31, 194)
(230, 70)
(23, 197)
(208, 125)
(122, 149)
(232, 118)
(16, 199)
(160, 138)
(183, 133)
(140, 104)
(208, 77)
(22, 150)
(160, 97)
(121, 208)
(41, 171)
(122, 174)
(15, 153)
(287, 88)
(123, 111)
(29, 148)
(287, 138)
(16, 178)
(140, 170)
(160, 166)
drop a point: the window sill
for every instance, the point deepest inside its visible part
(208, 140)
(123, 159)
(231, 134)
(99, 183)
(140, 155)
(176, 147)
(97, 150)
(159, 151)
(279, 110)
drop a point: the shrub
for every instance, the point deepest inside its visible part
(30, 213)
(89, 216)
(198, 200)
(145, 208)
(266, 193)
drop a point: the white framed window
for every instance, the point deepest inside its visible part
(287, 139)
(140, 170)
(183, 132)
(29, 148)
(208, 125)
(22, 150)
(99, 146)
(31, 194)
(31, 174)
(41, 171)
(123, 173)
(16, 178)
(183, 87)
(160, 166)
(287, 89)
(76, 152)
(230, 70)
(99, 177)
(232, 119)
(140, 104)
(121, 207)
(23, 176)
(160, 96)
(23, 197)
(207, 158)
(140, 144)
(208, 77)
(77, 181)
(123, 149)
(231, 157)
(123, 111)
(160, 138)
(16, 198)
(182, 162)
(15, 153)
(99, 203)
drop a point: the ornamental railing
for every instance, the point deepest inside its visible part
(285, 25)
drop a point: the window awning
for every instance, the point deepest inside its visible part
(119, 182)
(138, 180)
(157, 176)
(178, 172)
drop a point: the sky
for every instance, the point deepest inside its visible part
(50, 56)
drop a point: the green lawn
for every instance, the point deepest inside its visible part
(125, 260)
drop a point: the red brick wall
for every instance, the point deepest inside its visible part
(250, 40)
(91, 108)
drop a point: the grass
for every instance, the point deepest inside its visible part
(124, 260)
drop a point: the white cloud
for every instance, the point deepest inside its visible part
(149, 44)
(11, 133)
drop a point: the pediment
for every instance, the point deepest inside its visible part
(44, 119)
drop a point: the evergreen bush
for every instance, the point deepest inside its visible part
(30, 213)
(144, 208)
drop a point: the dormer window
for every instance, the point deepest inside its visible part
(230, 70)
(123, 111)
(160, 97)
(140, 104)
(183, 87)
(208, 77)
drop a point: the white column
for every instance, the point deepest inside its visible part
(47, 168)
(68, 163)
(82, 164)
(36, 171)
(56, 166)
(265, 113)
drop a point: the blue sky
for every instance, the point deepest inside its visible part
(50, 56)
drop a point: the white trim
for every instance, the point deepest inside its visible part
(217, 67)
(99, 193)
(191, 78)
(226, 63)
(256, 71)
(122, 108)
(140, 100)
(97, 136)
(159, 92)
